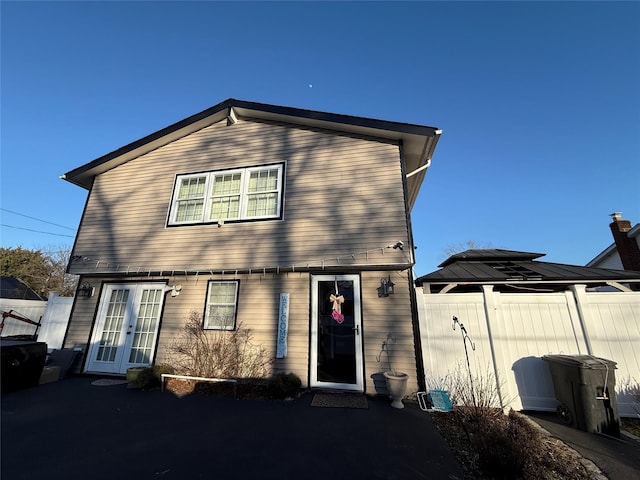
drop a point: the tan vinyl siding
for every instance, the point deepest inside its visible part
(82, 317)
(258, 308)
(343, 203)
(342, 195)
(383, 316)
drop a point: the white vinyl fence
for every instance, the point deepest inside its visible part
(31, 309)
(512, 331)
(52, 314)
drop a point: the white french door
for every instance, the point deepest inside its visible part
(126, 327)
(336, 337)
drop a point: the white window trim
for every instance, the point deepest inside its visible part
(207, 305)
(244, 195)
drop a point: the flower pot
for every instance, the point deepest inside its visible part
(132, 376)
(397, 387)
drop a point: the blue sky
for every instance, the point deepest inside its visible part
(539, 103)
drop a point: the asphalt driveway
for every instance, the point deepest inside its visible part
(617, 458)
(73, 429)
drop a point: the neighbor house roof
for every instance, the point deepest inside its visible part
(613, 249)
(418, 142)
(494, 266)
(16, 289)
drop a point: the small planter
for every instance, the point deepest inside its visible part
(132, 376)
(397, 387)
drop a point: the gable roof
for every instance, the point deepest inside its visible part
(418, 141)
(493, 266)
(16, 289)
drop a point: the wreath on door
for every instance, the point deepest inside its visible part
(337, 300)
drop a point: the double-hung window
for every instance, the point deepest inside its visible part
(222, 304)
(239, 194)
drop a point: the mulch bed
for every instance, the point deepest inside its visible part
(244, 390)
(556, 461)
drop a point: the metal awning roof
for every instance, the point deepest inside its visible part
(480, 266)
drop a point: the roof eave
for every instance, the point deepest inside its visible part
(83, 175)
(414, 162)
(419, 141)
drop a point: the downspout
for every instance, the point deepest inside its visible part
(427, 153)
(410, 276)
(416, 332)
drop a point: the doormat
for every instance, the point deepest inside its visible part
(105, 382)
(340, 400)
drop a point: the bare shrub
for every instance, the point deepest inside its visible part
(433, 383)
(478, 395)
(491, 444)
(217, 353)
(505, 444)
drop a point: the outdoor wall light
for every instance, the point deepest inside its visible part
(85, 290)
(386, 288)
(175, 290)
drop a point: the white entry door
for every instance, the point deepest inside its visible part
(336, 339)
(126, 327)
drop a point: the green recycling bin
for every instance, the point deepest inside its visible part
(585, 389)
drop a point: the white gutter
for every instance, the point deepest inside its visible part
(427, 153)
(419, 169)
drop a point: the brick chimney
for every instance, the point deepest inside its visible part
(627, 247)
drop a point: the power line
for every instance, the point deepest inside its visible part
(36, 231)
(34, 218)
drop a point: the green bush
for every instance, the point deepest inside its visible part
(283, 385)
(158, 370)
(152, 376)
(143, 379)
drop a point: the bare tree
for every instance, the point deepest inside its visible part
(461, 247)
(62, 282)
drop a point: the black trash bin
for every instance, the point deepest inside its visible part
(22, 363)
(585, 390)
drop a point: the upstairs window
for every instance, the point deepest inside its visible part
(239, 194)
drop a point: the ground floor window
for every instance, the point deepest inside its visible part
(222, 305)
